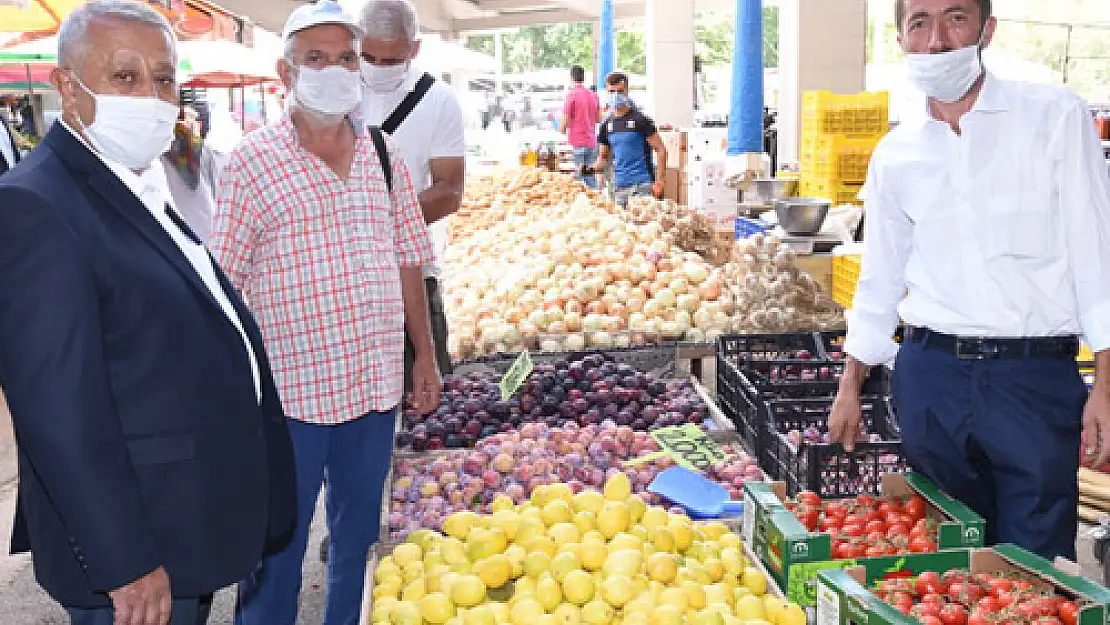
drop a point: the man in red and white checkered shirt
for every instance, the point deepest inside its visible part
(330, 262)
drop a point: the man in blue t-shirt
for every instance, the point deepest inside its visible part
(630, 137)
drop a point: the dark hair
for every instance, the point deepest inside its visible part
(577, 74)
(900, 12)
(617, 78)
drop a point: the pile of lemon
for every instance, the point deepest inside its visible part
(575, 559)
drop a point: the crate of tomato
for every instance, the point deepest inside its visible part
(797, 449)
(796, 538)
(1003, 585)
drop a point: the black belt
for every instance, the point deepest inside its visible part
(981, 348)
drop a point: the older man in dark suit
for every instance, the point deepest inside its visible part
(155, 463)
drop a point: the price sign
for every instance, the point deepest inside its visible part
(516, 375)
(690, 446)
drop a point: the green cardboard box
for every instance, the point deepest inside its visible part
(843, 597)
(794, 555)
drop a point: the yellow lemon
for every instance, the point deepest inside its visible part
(547, 619)
(468, 591)
(636, 508)
(592, 555)
(557, 511)
(625, 562)
(613, 519)
(589, 501)
(458, 524)
(537, 562)
(447, 580)
(561, 490)
(714, 529)
(548, 592)
(754, 581)
(502, 502)
(593, 536)
(617, 590)
(663, 539)
(544, 544)
(529, 529)
(683, 535)
(479, 615)
(732, 561)
(516, 554)
(382, 610)
(597, 612)
(578, 587)
(407, 553)
(500, 611)
(567, 614)
(508, 521)
(654, 516)
(623, 541)
(666, 614)
(718, 593)
(540, 496)
(792, 615)
(617, 488)
(482, 543)
(453, 550)
(750, 608)
(563, 563)
(436, 608)
(422, 538)
(386, 591)
(708, 617)
(585, 521)
(674, 597)
(636, 618)
(715, 568)
(564, 533)
(524, 587)
(494, 571)
(774, 608)
(695, 594)
(406, 613)
(526, 611)
(414, 590)
(662, 567)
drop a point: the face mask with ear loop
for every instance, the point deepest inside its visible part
(948, 76)
(129, 130)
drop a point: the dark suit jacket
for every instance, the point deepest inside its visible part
(141, 442)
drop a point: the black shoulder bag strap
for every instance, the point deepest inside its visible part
(383, 155)
(405, 108)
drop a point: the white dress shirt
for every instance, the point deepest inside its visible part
(1000, 231)
(6, 143)
(151, 188)
(433, 130)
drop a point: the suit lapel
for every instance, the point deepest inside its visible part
(116, 195)
(253, 332)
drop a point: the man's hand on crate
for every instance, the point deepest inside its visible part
(1096, 425)
(845, 416)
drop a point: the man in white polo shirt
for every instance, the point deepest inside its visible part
(425, 120)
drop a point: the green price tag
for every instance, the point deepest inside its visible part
(690, 446)
(802, 587)
(516, 375)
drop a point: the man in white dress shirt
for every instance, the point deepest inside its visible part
(155, 466)
(988, 231)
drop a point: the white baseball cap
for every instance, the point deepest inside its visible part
(317, 13)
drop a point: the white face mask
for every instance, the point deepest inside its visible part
(132, 131)
(946, 76)
(333, 90)
(385, 79)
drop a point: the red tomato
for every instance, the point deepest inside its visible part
(866, 500)
(848, 551)
(953, 614)
(954, 576)
(887, 508)
(922, 611)
(921, 544)
(1022, 584)
(933, 599)
(915, 507)
(1043, 606)
(979, 618)
(874, 515)
(829, 523)
(1004, 598)
(874, 552)
(809, 517)
(853, 530)
(966, 593)
(1048, 620)
(809, 498)
(1000, 584)
(899, 596)
(988, 604)
(876, 526)
(931, 620)
(854, 519)
(898, 529)
(929, 583)
(1068, 612)
(836, 510)
(876, 538)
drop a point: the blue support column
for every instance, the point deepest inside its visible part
(745, 120)
(606, 52)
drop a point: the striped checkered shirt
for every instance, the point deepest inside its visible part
(318, 261)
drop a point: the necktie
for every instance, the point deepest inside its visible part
(181, 225)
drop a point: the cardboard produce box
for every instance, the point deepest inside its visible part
(675, 142)
(672, 179)
(793, 555)
(843, 597)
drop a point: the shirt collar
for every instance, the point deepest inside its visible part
(992, 98)
(287, 126)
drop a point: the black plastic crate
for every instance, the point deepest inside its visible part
(732, 398)
(826, 468)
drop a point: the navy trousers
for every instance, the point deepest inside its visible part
(184, 612)
(1002, 436)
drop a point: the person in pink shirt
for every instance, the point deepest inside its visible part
(581, 114)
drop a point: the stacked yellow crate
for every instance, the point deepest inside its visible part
(839, 133)
(845, 275)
